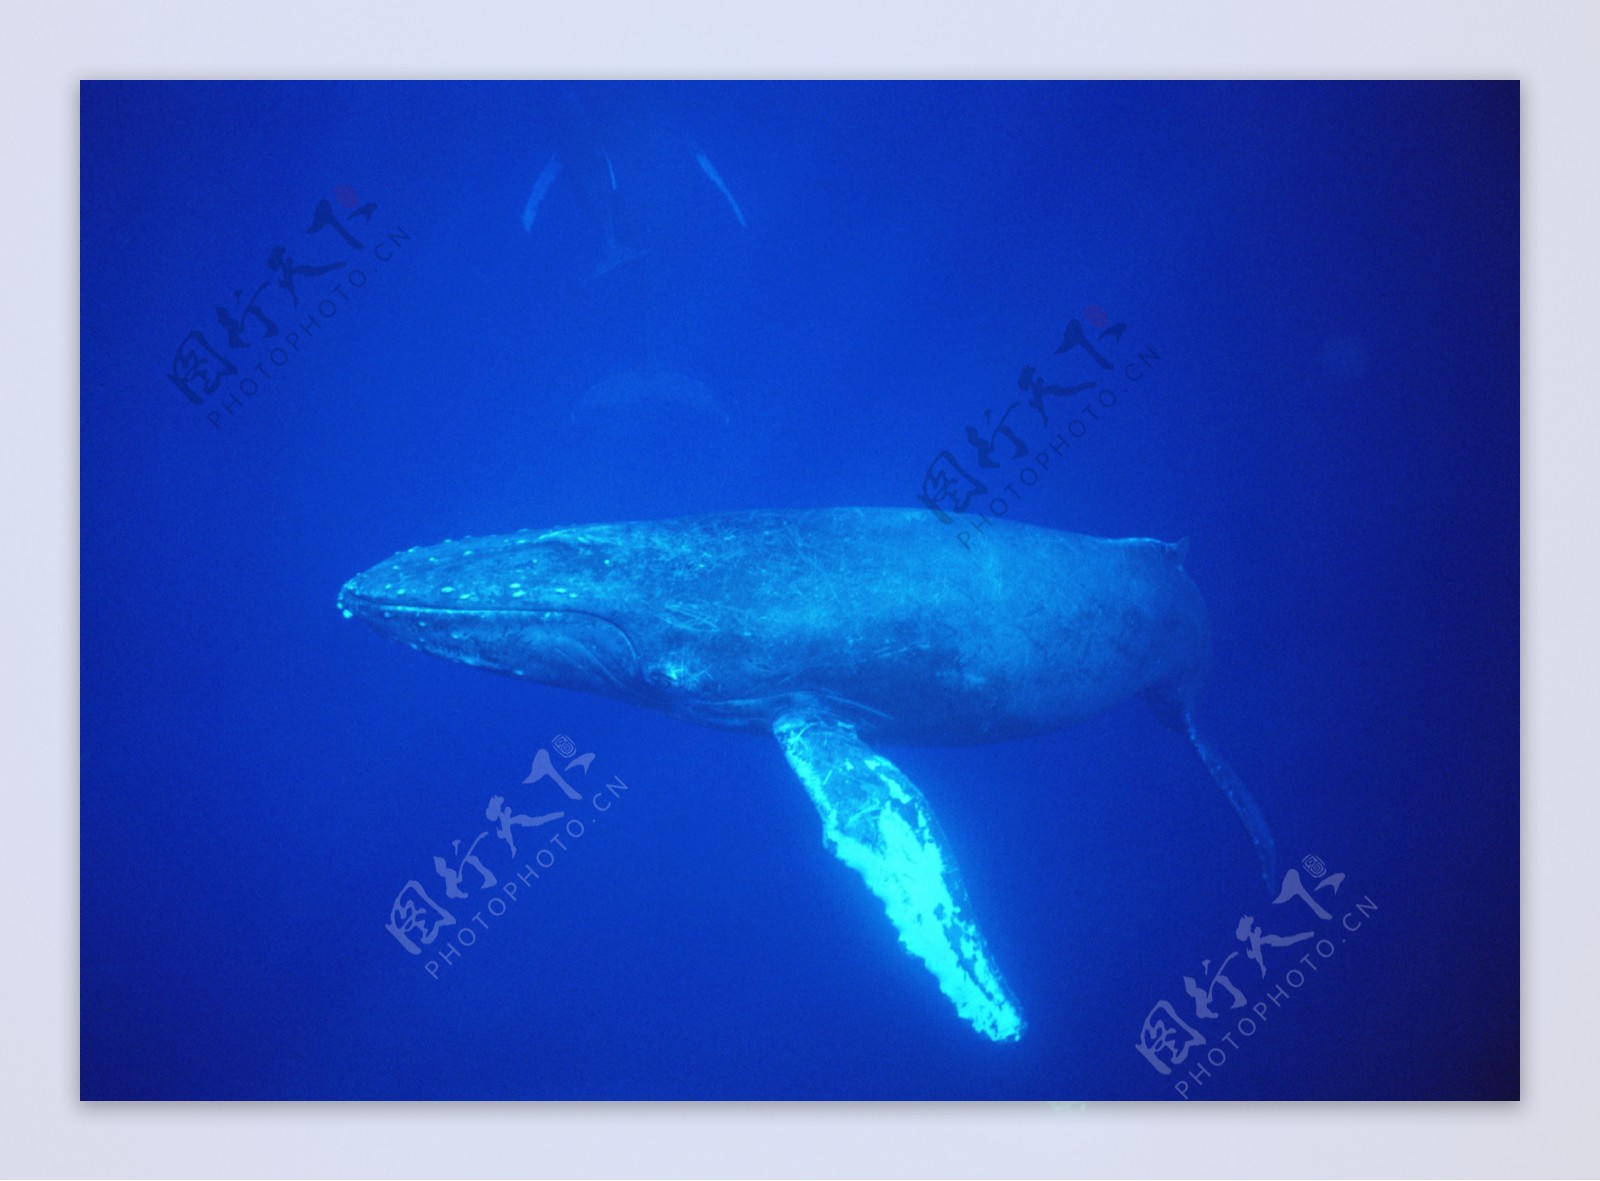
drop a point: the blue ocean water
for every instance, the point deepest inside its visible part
(322, 323)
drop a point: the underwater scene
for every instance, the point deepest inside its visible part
(799, 591)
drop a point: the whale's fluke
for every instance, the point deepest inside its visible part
(1244, 805)
(876, 821)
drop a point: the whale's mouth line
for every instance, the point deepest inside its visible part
(391, 608)
(465, 609)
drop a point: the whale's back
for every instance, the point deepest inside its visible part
(884, 614)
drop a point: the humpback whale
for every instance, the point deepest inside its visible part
(834, 630)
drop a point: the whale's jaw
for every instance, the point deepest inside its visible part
(502, 604)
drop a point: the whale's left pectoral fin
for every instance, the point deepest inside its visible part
(876, 821)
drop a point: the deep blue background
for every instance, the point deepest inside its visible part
(1330, 274)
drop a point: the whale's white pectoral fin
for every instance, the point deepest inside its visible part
(715, 177)
(541, 186)
(876, 821)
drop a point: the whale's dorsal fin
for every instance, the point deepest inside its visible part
(876, 821)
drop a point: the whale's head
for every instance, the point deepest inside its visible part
(548, 606)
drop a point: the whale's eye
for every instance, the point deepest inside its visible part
(666, 674)
(673, 674)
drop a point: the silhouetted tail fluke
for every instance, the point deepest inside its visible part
(1244, 805)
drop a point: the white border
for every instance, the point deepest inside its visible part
(44, 1131)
